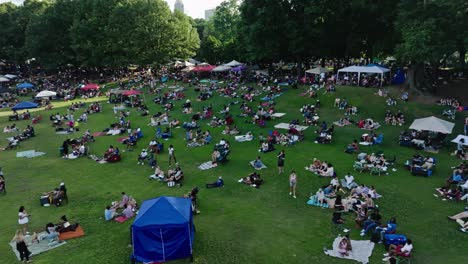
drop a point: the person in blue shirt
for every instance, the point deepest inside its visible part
(218, 183)
(109, 213)
(388, 229)
(258, 164)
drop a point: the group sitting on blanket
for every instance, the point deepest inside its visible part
(310, 114)
(253, 179)
(367, 162)
(325, 135)
(15, 116)
(55, 196)
(449, 101)
(173, 177)
(368, 124)
(199, 139)
(127, 206)
(111, 155)
(394, 119)
(321, 168)
(422, 139)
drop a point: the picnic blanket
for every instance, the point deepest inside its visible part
(207, 165)
(336, 123)
(287, 126)
(122, 139)
(121, 219)
(376, 125)
(99, 134)
(79, 232)
(243, 138)
(29, 154)
(362, 250)
(252, 163)
(278, 115)
(113, 132)
(36, 248)
(63, 132)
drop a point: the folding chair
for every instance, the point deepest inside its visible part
(358, 166)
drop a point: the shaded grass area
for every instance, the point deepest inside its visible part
(237, 224)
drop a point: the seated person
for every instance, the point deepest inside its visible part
(128, 211)
(344, 247)
(55, 197)
(142, 157)
(348, 181)
(158, 174)
(315, 166)
(257, 163)
(254, 179)
(2, 184)
(65, 226)
(328, 172)
(109, 213)
(51, 235)
(264, 147)
(329, 191)
(399, 250)
(218, 183)
(353, 147)
(215, 156)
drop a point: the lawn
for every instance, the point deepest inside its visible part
(237, 224)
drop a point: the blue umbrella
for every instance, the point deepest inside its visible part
(25, 86)
(24, 105)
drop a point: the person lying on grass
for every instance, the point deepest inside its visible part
(399, 250)
(254, 179)
(445, 193)
(218, 183)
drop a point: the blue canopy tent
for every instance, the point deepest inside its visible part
(163, 230)
(25, 85)
(24, 105)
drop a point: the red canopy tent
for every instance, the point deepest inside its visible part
(203, 68)
(90, 86)
(131, 92)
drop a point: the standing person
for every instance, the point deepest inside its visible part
(172, 154)
(21, 246)
(466, 126)
(292, 183)
(281, 157)
(65, 148)
(23, 219)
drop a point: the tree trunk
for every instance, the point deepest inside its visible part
(413, 77)
(462, 52)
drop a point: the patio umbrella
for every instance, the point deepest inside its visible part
(25, 86)
(318, 70)
(131, 92)
(24, 105)
(233, 63)
(90, 86)
(3, 79)
(10, 76)
(457, 139)
(434, 124)
(46, 94)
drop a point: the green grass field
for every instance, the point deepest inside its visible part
(237, 224)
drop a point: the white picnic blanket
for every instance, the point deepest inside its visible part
(113, 132)
(362, 250)
(278, 115)
(36, 248)
(207, 165)
(29, 154)
(244, 138)
(287, 126)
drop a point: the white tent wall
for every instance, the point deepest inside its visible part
(363, 69)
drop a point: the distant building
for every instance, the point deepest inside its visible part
(209, 13)
(179, 6)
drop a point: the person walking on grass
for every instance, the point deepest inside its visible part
(23, 219)
(281, 157)
(21, 246)
(292, 183)
(172, 156)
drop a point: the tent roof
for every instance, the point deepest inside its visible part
(233, 63)
(3, 79)
(221, 68)
(164, 211)
(365, 69)
(24, 105)
(318, 70)
(434, 124)
(25, 85)
(46, 94)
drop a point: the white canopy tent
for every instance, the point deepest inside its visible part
(318, 70)
(434, 124)
(183, 64)
(46, 94)
(3, 79)
(457, 139)
(234, 63)
(365, 69)
(187, 69)
(221, 68)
